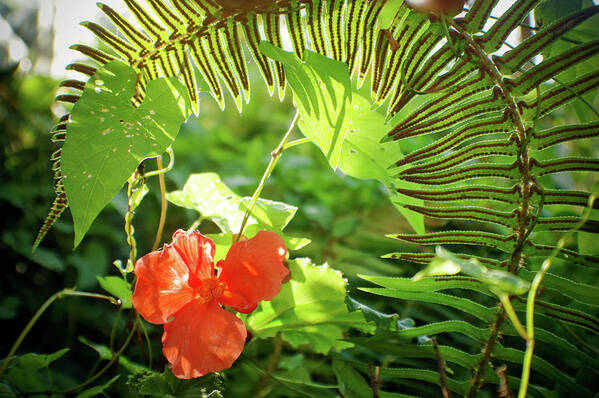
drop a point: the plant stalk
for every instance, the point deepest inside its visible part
(274, 158)
(56, 296)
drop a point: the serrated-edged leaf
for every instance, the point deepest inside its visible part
(310, 309)
(513, 59)
(481, 214)
(452, 115)
(459, 173)
(165, 384)
(543, 367)
(272, 28)
(355, 31)
(427, 284)
(368, 42)
(296, 31)
(565, 164)
(566, 197)
(252, 35)
(459, 303)
(315, 10)
(117, 44)
(351, 383)
(550, 67)
(474, 151)
(108, 138)
(168, 17)
(140, 40)
(335, 28)
(453, 326)
(454, 95)
(581, 292)
(215, 48)
(322, 93)
(559, 95)
(477, 238)
(155, 30)
(425, 258)
(571, 256)
(567, 224)
(545, 138)
(496, 35)
(429, 376)
(96, 55)
(449, 354)
(562, 313)
(198, 50)
(478, 14)
(504, 195)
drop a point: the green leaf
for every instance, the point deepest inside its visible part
(310, 309)
(587, 242)
(118, 287)
(108, 138)
(498, 281)
(105, 354)
(24, 372)
(351, 382)
(20, 242)
(166, 385)
(363, 156)
(208, 195)
(97, 390)
(322, 93)
(388, 12)
(383, 321)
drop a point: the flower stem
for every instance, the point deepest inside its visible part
(162, 205)
(274, 158)
(56, 296)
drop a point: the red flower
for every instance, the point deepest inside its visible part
(179, 282)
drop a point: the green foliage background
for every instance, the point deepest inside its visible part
(346, 220)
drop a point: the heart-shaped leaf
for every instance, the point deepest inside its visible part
(108, 138)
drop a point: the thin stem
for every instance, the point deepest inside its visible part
(297, 142)
(441, 368)
(162, 205)
(477, 378)
(169, 167)
(274, 158)
(530, 328)
(114, 359)
(509, 309)
(56, 296)
(147, 338)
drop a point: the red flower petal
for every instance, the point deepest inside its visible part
(253, 271)
(166, 278)
(162, 286)
(202, 338)
(197, 251)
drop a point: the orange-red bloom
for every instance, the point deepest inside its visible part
(179, 282)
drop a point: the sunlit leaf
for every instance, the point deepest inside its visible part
(108, 138)
(322, 93)
(310, 309)
(118, 287)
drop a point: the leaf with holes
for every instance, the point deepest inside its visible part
(108, 138)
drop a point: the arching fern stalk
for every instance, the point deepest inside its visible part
(486, 163)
